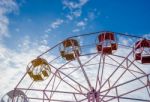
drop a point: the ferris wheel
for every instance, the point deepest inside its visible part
(96, 67)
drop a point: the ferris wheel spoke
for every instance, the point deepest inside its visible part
(54, 73)
(54, 59)
(75, 97)
(130, 71)
(56, 92)
(101, 78)
(69, 74)
(85, 64)
(126, 93)
(119, 78)
(117, 94)
(129, 93)
(71, 93)
(52, 100)
(147, 88)
(85, 74)
(142, 72)
(53, 87)
(116, 69)
(148, 91)
(82, 100)
(97, 79)
(50, 80)
(68, 78)
(125, 98)
(50, 49)
(69, 83)
(124, 83)
(64, 78)
(67, 92)
(138, 67)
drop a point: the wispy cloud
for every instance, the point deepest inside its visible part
(74, 5)
(94, 13)
(75, 13)
(69, 17)
(147, 36)
(55, 25)
(91, 16)
(6, 6)
(75, 30)
(75, 8)
(15, 61)
(81, 24)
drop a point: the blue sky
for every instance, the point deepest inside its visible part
(63, 18)
(29, 27)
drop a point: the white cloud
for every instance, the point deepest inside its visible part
(93, 14)
(69, 17)
(77, 13)
(147, 36)
(56, 23)
(75, 8)
(81, 24)
(4, 22)
(85, 19)
(14, 62)
(48, 30)
(124, 41)
(6, 6)
(74, 5)
(75, 30)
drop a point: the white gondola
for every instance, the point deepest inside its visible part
(15, 96)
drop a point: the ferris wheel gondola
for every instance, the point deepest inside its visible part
(38, 69)
(142, 51)
(70, 49)
(15, 96)
(107, 43)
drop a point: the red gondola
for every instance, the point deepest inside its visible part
(142, 51)
(107, 43)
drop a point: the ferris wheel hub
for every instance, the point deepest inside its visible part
(93, 96)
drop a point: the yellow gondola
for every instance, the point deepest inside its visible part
(38, 69)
